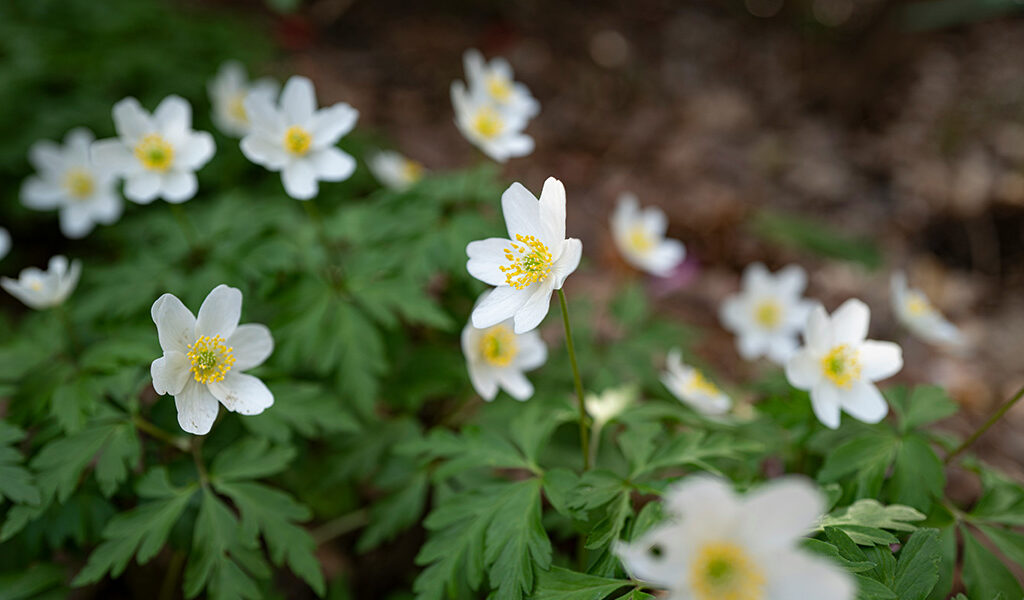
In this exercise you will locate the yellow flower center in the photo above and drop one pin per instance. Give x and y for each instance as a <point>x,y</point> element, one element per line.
<point>701,384</point>
<point>918,305</point>
<point>487,123</point>
<point>412,171</point>
<point>639,240</point>
<point>723,571</point>
<point>79,183</point>
<point>236,108</point>
<point>529,261</point>
<point>841,366</point>
<point>36,284</point>
<point>211,359</point>
<point>768,313</point>
<point>297,140</point>
<point>499,88</point>
<point>154,152</point>
<point>498,346</point>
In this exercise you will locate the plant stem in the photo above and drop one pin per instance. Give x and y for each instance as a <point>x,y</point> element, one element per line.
<point>197,456</point>
<point>160,434</point>
<point>341,525</point>
<point>991,421</point>
<point>65,319</point>
<point>172,575</point>
<point>584,439</point>
<point>187,229</point>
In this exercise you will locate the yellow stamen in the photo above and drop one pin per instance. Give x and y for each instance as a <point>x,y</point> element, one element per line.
<point>36,285</point>
<point>498,346</point>
<point>918,305</point>
<point>499,88</point>
<point>412,171</point>
<point>236,108</point>
<point>768,313</point>
<point>79,183</point>
<point>639,240</point>
<point>701,384</point>
<point>842,366</point>
<point>724,571</point>
<point>488,123</point>
<point>154,152</point>
<point>297,140</point>
<point>211,359</point>
<point>529,261</point>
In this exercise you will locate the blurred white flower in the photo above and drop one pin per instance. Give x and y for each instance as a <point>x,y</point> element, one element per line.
<point>839,366</point>
<point>66,179</point>
<point>204,358</point>
<point>718,545</point>
<point>228,91</point>
<point>769,312</point>
<point>45,289</point>
<point>297,139</point>
<point>531,264</point>
<point>640,237</point>
<point>919,315</point>
<point>498,134</point>
<point>609,404</point>
<point>692,387</point>
<point>156,154</point>
<point>5,242</point>
<point>496,357</point>
<point>395,171</point>
<point>496,81</point>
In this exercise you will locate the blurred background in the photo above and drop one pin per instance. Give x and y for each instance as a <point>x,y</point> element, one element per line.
<point>854,137</point>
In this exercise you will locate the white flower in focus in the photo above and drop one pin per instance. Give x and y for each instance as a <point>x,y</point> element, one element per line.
<point>157,154</point>
<point>496,357</point>
<point>67,179</point>
<point>297,139</point>
<point>205,356</point>
<point>718,545</point>
<point>228,91</point>
<point>919,315</point>
<point>692,387</point>
<point>609,404</point>
<point>495,80</point>
<point>769,313</point>
<point>395,171</point>
<point>640,237</point>
<point>498,134</point>
<point>531,264</point>
<point>839,366</point>
<point>45,289</point>
<point>5,242</point>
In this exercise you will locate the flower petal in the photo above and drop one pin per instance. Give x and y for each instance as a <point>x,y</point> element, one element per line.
<point>825,402</point>
<point>818,333</point>
<point>797,575</point>
<point>486,257</point>
<point>175,324</point>
<point>532,351</point>
<point>111,154</point>
<point>170,373</point>
<point>298,100</point>
<point>791,281</point>
<point>880,360</point>
<point>195,150</point>
<point>522,212</point>
<point>567,263</point>
<point>243,393</point>
<point>498,305</point>
<point>299,180</point>
<point>803,370</point>
<point>332,164</point>
<point>41,194</point>
<point>131,121</point>
<point>330,124</point>
<point>252,343</point>
<point>46,156</point>
<point>142,187</point>
<point>779,513</point>
<point>220,312</point>
<point>173,117</point>
<point>197,408</point>
<point>262,151</point>
<point>850,322</point>
<point>552,213</point>
<point>515,383</point>
<point>179,186</point>
<point>536,307</point>
<point>864,402</point>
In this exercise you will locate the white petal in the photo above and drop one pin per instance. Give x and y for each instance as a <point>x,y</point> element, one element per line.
<point>665,257</point>
<point>111,154</point>
<point>536,307</point>
<point>532,351</point>
<point>5,242</point>
<point>263,116</point>
<point>752,344</point>
<point>46,156</point>
<point>791,281</point>
<point>195,151</point>
<point>243,393</point>
<point>298,100</point>
<point>515,383</point>
<point>330,124</point>
<point>665,568</point>
<point>567,263</point>
<point>179,186</point>
<point>781,348</point>
<point>803,370</point>
<point>67,282</point>
<point>794,574</point>
<point>756,278</point>
<point>262,151</point>
<point>552,213</point>
<point>197,408</point>
<point>733,313</point>
<point>864,402</point>
<point>220,312</point>
<point>331,164</point>
<point>700,494</point>
<point>41,194</point>
<point>777,514</point>
<point>107,207</point>
<point>522,212</point>
<point>818,334</point>
<point>299,180</point>
<point>850,322</point>
<point>131,121</point>
<point>76,221</point>
<point>825,402</point>
<point>483,380</point>
<point>498,305</point>
<point>170,373</point>
<point>518,144</point>
<point>879,360</point>
<point>252,343</point>
<point>175,325</point>
<point>486,257</point>
<point>173,116</point>
<point>142,187</point>
<point>30,297</point>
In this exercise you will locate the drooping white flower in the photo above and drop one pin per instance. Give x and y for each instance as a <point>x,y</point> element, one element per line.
<point>395,171</point>
<point>919,315</point>
<point>640,237</point>
<point>527,267</point>
<point>205,356</point>
<point>66,179</point>
<point>297,139</point>
<point>496,81</point>
<point>496,133</point>
<point>496,357</point>
<point>609,404</point>
<point>769,312</point>
<point>157,154</point>
<point>692,387</point>
<point>5,242</point>
<point>718,545</point>
<point>45,289</point>
<point>839,366</point>
<point>228,91</point>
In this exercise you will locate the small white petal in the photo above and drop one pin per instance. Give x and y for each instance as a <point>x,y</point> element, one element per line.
<point>567,263</point>
<point>197,408</point>
<point>262,151</point>
<point>331,164</point>
<point>242,393</point>
<point>880,360</point>
<point>803,370</point>
<point>779,513</point>
<point>826,403</point>
<point>131,121</point>
<point>41,194</point>
<point>46,156</point>
<point>536,307</point>
<point>142,187</point>
<point>521,211</point>
<point>791,281</point>
<point>252,343</point>
<point>795,574</point>
<point>195,151</point>
<point>173,117</point>
<point>818,333</point>
<point>515,383</point>
<point>552,213</point>
<point>299,180</point>
<point>864,402</point>
<point>220,312</point>
<point>170,373</point>
<point>298,100</point>
<point>850,322</point>
<point>330,124</point>
<point>486,257</point>
<point>179,186</point>
<point>498,305</point>
<point>175,324</point>
<point>113,155</point>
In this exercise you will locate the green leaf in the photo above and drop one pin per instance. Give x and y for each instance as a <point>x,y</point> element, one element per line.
<point>516,542</point>
<point>923,405</point>
<point>251,458</point>
<point>1002,500</point>
<point>918,474</point>
<point>395,513</point>
<point>697,448</point>
<point>559,484</point>
<point>815,236</point>
<point>984,575</point>
<point>15,480</point>
<point>870,451</point>
<point>31,583</point>
<point>871,514</point>
<point>630,306</point>
<point>471,448</point>
<point>1010,543</point>
<point>307,409</point>
<point>218,545</point>
<point>73,402</point>
<point>563,584</point>
<point>917,569</point>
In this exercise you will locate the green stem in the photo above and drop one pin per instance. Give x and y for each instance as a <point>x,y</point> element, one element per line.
<point>187,229</point>
<point>155,432</point>
<point>341,525</point>
<point>172,575</point>
<point>991,421</point>
<point>197,457</point>
<point>69,328</point>
<point>584,438</point>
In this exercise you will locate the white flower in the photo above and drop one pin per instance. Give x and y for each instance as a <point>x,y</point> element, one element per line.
<point>45,289</point>
<point>527,267</point>
<point>496,81</point>
<point>204,358</point>
<point>228,91</point>
<point>5,242</point>
<point>691,386</point>
<point>496,357</point>
<point>297,139</point>
<point>609,404</point>
<point>918,315</point>
<point>498,134</point>
<point>640,237</point>
<point>395,171</point>
<point>720,545</point>
<point>769,313</point>
<point>67,179</point>
<point>157,154</point>
<point>839,366</point>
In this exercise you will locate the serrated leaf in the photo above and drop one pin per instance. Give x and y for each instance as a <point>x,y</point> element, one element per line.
<point>872,514</point>
<point>983,574</point>
<point>15,480</point>
<point>217,546</point>
<point>251,458</point>
<point>923,405</point>
<point>516,543</point>
<point>917,568</point>
<point>31,583</point>
<point>563,584</point>
<point>918,474</point>
<point>395,513</point>
<point>308,409</point>
<point>869,451</point>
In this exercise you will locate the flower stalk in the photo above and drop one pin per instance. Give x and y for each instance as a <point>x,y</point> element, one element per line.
<point>155,432</point>
<point>988,424</point>
<point>577,382</point>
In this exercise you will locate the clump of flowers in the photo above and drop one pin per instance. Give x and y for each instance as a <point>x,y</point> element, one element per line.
<point>228,92</point>
<point>496,358</point>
